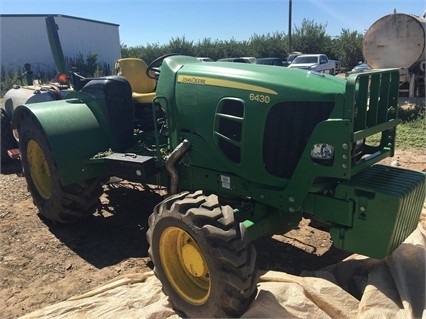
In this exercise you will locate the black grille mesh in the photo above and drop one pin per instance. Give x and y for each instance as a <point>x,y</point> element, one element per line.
<point>287,130</point>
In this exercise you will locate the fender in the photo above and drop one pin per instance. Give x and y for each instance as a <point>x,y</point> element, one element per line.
<point>74,133</point>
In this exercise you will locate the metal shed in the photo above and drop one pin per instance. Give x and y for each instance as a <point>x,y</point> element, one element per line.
<point>24,40</point>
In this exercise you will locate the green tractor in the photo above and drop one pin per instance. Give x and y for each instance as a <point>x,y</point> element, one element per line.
<point>244,150</point>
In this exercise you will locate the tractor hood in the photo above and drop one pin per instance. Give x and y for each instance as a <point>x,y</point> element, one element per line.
<point>253,78</point>
<point>228,112</point>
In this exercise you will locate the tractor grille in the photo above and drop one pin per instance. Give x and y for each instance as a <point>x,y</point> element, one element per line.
<point>288,128</point>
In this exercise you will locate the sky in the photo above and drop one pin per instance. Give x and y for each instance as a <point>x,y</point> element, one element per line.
<point>143,22</point>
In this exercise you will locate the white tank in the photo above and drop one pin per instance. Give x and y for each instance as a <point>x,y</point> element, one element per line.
<point>30,94</point>
<point>395,41</point>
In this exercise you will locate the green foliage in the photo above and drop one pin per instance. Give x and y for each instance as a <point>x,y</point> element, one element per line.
<point>89,66</point>
<point>181,46</point>
<point>86,66</point>
<point>206,47</point>
<point>310,37</point>
<point>16,75</point>
<point>275,45</point>
<point>8,79</point>
<point>412,134</point>
<point>348,48</point>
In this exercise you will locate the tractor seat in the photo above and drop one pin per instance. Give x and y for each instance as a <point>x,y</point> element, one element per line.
<point>134,70</point>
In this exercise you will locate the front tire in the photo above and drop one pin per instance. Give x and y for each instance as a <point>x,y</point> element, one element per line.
<point>200,255</point>
<point>56,202</point>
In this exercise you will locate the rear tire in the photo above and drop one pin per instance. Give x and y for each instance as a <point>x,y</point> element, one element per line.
<point>56,202</point>
<point>7,140</point>
<point>200,255</point>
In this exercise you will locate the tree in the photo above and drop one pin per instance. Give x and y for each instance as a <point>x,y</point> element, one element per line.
<point>349,47</point>
<point>311,37</point>
<point>274,45</point>
<point>181,46</point>
<point>89,66</point>
<point>208,48</point>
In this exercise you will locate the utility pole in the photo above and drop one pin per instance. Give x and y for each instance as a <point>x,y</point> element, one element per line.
<point>289,27</point>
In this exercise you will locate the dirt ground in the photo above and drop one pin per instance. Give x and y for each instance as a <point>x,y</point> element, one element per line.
<point>42,263</point>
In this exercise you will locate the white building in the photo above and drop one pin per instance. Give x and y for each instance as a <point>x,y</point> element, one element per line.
<point>24,40</point>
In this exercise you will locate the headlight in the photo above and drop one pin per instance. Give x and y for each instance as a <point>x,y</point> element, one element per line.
<point>322,153</point>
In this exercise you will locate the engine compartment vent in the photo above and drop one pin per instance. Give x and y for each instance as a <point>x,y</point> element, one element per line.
<point>228,128</point>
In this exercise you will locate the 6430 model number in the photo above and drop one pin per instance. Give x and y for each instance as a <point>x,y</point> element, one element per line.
<point>259,98</point>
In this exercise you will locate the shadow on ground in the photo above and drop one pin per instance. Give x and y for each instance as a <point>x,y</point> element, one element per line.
<point>11,167</point>
<point>279,256</point>
<point>117,231</point>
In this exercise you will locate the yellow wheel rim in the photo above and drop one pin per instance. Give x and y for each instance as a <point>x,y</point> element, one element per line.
<point>184,265</point>
<point>39,169</point>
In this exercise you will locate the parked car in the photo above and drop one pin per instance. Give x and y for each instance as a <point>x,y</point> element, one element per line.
<point>291,57</point>
<point>249,59</point>
<point>205,59</point>
<point>338,66</point>
<point>239,59</point>
<point>314,62</point>
<point>269,61</point>
<point>361,67</point>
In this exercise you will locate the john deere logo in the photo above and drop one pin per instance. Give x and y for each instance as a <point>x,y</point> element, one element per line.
<point>186,79</point>
<point>192,80</point>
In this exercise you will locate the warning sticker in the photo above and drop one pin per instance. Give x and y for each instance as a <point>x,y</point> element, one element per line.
<point>226,181</point>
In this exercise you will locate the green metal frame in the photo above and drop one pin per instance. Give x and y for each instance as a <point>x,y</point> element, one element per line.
<point>55,44</point>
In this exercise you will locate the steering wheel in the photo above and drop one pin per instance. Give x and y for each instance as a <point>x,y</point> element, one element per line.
<point>153,71</point>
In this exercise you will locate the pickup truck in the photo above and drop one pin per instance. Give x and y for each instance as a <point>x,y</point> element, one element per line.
<point>314,62</point>
<point>338,67</point>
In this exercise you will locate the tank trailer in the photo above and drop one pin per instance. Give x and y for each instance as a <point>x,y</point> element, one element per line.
<point>398,40</point>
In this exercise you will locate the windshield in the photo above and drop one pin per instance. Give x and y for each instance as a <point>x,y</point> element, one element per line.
<point>305,59</point>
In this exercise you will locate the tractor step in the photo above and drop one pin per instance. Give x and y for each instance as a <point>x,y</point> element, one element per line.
<point>14,153</point>
<point>130,166</point>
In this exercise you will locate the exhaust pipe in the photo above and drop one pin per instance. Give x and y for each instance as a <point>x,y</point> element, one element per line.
<point>173,158</point>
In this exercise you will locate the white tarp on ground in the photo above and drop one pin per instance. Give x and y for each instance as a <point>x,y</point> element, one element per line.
<point>391,288</point>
